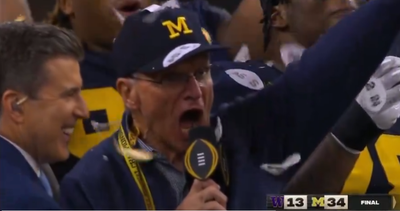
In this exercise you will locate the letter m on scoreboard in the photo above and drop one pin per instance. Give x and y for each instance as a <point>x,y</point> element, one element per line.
<point>275,202</point>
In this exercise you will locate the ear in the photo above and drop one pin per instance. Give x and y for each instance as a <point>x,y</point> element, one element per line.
<point>129,93</point>
<point>65,6</point>
<point>279,17</point>
<point>10,105</point>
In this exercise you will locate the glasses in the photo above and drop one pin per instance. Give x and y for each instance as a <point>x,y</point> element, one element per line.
<point>179,80</point>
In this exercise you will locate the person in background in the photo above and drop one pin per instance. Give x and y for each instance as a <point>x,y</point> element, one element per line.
<point>96,24</point>
<point>375,170</point>
<point>168,90</point>
<point>40,100</point>
<point>365,120</point>
<point>12,9</point>
<point>378,164</point>
<point>285,22</point>
<point>249,29</point>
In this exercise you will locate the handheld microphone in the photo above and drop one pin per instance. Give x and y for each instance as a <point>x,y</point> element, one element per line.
<point>201,158</point>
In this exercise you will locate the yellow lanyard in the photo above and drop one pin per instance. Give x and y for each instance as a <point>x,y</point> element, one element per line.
<point>134,167</point>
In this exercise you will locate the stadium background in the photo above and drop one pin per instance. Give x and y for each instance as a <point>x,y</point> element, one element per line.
<point>41,8</point>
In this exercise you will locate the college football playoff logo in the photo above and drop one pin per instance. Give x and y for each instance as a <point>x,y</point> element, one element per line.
<point>201,159</point>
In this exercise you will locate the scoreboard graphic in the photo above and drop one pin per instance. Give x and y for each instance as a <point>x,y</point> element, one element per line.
<point>331,202</point>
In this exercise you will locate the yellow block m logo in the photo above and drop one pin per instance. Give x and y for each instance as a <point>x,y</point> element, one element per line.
<point>175,29</point>
<point>317,201</point>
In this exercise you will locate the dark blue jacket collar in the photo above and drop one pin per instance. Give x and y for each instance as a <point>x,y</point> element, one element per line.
<point>11,155</point>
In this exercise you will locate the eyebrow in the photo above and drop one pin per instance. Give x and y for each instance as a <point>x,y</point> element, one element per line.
<point>69,91</point>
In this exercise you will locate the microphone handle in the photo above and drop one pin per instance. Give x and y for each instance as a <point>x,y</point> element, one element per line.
<point>219,176</point>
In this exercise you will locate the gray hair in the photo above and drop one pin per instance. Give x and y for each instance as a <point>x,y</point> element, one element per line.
<point>25,48</point>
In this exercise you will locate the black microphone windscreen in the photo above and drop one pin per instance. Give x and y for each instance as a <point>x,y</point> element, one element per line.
<point>201,132</point>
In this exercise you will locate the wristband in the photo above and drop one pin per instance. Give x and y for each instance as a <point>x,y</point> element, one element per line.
<point>351,151</point>
<point>355,129</point>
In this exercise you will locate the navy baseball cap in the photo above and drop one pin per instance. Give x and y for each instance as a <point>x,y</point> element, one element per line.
<point>152,41</point>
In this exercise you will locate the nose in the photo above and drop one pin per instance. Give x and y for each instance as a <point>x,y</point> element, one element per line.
<point>81,110</point>
<point>193,90</point>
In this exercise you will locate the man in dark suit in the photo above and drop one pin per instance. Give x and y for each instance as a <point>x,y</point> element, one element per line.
<point>40,103</point>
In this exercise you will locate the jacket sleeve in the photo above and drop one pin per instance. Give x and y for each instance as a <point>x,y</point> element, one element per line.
<point>72,195</point>
<point>297,111</point>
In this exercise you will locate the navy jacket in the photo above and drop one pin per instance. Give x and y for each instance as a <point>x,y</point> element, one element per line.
<point>238,79</point>
<point>298,110</point>
<point>20,188</point>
